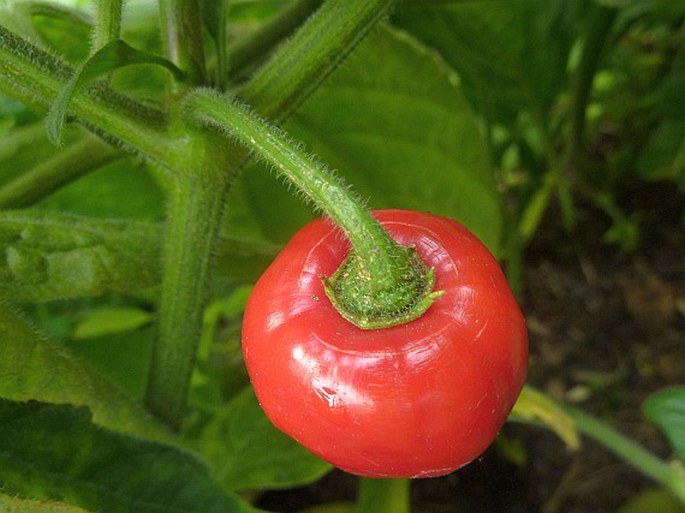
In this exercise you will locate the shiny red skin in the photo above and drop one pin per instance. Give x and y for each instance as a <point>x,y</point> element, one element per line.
<point>417,400</point>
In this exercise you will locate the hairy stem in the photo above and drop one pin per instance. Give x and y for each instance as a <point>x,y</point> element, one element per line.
<point>35,78</point>
<point>245,51</point>
<point>183,37</point>
<point>301,64</point>
<point>170,371</point>
<point>108,25</point>
<point>196,208</point>
<point>381,284</point>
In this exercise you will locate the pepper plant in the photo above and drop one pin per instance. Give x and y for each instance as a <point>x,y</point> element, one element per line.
<point>141,148</point>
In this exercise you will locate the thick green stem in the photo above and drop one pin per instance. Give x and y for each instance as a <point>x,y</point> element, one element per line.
<point>108,25</point>
<point>383,496</point>
<point>35,77</point>
<point>301,64</point>
<point>382,283</point>
<point>640,458</point>
<point>194,219</point>
<point>169,370</point>
<point>245,51</point>
<point>597,34</point>
<point>71,163</point>
<point>183,37</point>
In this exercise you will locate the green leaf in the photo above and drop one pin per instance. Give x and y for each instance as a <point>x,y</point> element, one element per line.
<point>247,452</point>
<point>52,256</point>
<point>667,409</point>
<point>105,321</point>
<point>122,357</point>
<point>35,367</point>
<point>636,8</point>
<point>66,30</point>
<point>123,189</point>
<point>48,256</point>
<point>15,505</point>
<point>402,135</point>
<point>51,452</point>
<point>511,54</point>
<point>112,56</point>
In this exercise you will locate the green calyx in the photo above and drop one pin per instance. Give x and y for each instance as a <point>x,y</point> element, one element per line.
<point>370,303</point>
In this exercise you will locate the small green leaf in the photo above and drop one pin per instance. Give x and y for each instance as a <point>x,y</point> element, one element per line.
<point>16,505</point>
<point>50,452</point>
<point>110,57</point>
<point>667,409</point>
<point>35,367</point>
<point>247,452</point>
<point>110,320</point>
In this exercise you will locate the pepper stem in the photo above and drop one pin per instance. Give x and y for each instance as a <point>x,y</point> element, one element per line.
<point>381,283</point>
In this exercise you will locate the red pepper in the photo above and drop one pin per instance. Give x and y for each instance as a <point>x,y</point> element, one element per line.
<point>420,399</point>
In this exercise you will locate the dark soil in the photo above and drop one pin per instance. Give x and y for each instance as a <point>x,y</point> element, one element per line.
<point>607,329</point>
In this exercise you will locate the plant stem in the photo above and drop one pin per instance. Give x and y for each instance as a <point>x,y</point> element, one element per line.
<point>245,51</point>
<point>598,32</point>
<point>301,64</point>
<point>195,215</point>
<point>183,37</point>
<point>383,495</point>
<point>71,163</point>
<point>382,284</point>
<point>108,25</point>
<point>35,78</point>
<point>630,451</point>
<point>169,376</point>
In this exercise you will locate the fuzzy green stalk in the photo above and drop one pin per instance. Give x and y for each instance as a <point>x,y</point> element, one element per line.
<point>182,38</point>
<point>381,283</point>
<point>107,27</point>
<point>297,68</point>
<point>246,51</point>
<point>196,208</point>
<point>35,77</point>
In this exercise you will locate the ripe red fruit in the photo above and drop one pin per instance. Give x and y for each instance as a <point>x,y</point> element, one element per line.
<point>417,400</point>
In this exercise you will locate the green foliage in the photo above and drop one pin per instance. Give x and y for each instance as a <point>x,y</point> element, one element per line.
<point>54,452</point>
<point>248,453</point>
<point>52,256</point>
<point>36,367</point>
